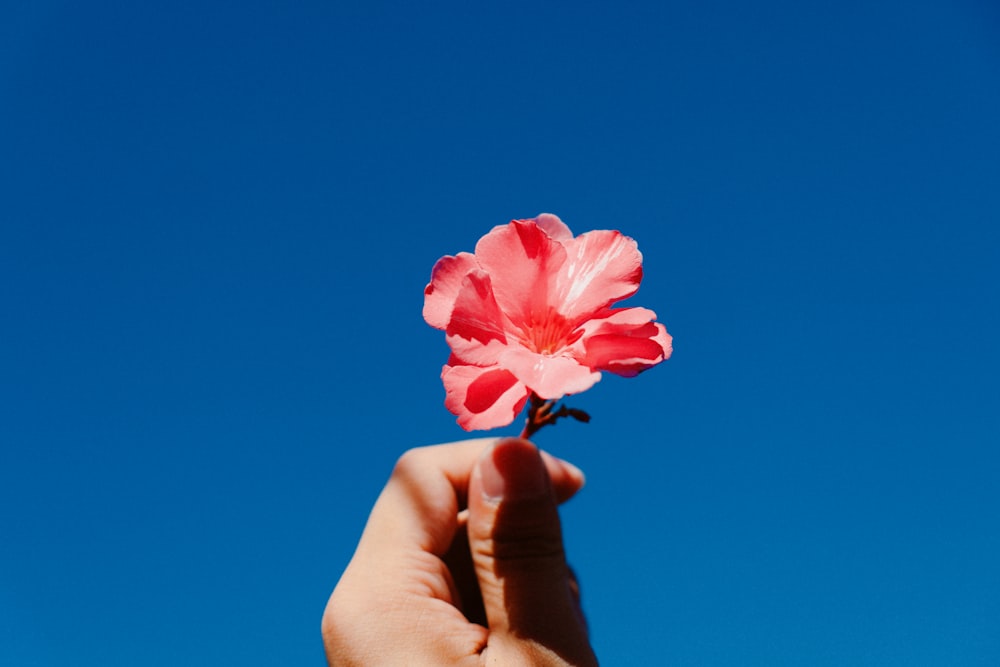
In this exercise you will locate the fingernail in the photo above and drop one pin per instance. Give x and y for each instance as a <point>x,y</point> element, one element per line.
<point>513,470</point>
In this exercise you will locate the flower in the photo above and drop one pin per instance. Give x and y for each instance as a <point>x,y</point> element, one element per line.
<point>530,315</point>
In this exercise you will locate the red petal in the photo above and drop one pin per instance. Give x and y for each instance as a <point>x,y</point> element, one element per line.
<point>476,315</point>
<point>549,376</point>
<point>446,281</point>
<point>476,329</point>
<point>521,258</point>
<point>611,320</point>
<point>482,398</point>
<point>553,226</point>
<point>602,267</point>
<point>628,351</point>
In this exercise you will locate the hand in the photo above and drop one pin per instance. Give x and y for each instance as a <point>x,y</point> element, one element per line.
<point>433,584</point>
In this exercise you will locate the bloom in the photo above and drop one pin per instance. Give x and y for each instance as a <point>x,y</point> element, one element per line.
<point>531,313</point>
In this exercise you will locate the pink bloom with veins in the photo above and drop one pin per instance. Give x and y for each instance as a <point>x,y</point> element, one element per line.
<point>529,315</point>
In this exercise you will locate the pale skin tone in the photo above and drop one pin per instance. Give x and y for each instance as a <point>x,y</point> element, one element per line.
<point>462,563</point>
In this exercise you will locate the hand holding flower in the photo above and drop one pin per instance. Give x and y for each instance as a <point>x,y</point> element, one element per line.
<point>462,563</point>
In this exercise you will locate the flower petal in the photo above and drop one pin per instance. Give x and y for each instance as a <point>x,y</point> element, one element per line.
<point>553,226</point>
<point>474,352</point>
<point>475,331</point>
<point>602,267</point>
<point>531,312</point>
<point>610,319</point>
<point>446,281</point>
<point>627,349</point>
<point>520,258</point>
<point>482,398</point>
<point>551,377</point>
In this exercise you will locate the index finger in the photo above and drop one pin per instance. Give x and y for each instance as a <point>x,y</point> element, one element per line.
<point>419,505</point>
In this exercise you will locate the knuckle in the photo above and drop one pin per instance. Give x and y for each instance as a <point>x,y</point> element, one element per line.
<point>410,463</point>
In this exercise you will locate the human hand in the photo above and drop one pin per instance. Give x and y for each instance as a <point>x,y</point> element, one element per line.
<point>434,584</point>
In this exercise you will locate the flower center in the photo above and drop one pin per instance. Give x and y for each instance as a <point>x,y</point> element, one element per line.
<point>550,334</point>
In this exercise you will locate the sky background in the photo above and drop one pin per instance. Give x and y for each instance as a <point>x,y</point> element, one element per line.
<point>217,220</point>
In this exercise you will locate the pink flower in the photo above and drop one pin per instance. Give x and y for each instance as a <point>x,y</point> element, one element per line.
<point>530,314</point>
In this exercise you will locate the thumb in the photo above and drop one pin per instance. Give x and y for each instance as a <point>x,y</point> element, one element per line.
<point>517,550</point>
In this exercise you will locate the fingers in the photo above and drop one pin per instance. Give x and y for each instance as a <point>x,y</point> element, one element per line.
<point>429,486</point>
<point>419,506</point>
<point>387,607</point>
<point>565,477</point>
<point>517,550</point>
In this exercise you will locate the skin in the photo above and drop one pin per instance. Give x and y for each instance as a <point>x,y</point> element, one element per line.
<point>462,563</point>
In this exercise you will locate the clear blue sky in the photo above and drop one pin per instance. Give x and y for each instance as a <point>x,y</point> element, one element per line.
<point>217,219</point>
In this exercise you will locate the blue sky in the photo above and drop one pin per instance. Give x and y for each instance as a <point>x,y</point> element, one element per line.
<point>217,220</point>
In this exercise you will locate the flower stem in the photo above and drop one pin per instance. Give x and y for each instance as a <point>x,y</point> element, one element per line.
<point>541,413</point>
